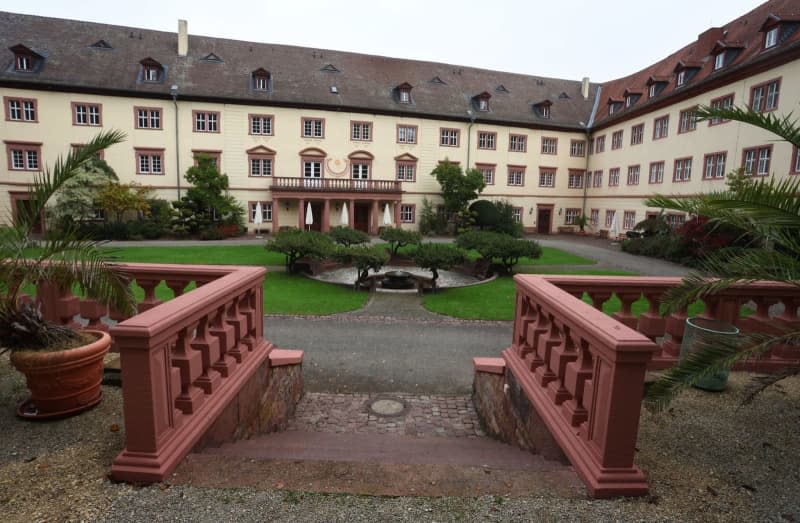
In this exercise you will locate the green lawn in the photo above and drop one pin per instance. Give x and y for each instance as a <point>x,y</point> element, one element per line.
<point>496,300</point>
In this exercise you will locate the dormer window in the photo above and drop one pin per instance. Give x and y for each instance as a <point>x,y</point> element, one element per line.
<point>543,109</point>
<point>684,71</point>
<point>25,60</point>
<point>261,80</point>
<point>614,105</point>
<point>771,38</point>
<point>404,93</point>
<point>631,97</point>
<point>482,101</point>
<point>681,78</point>
<point>152,71</point>
<point>656,84</point>
<point>652,92</point>
<point>719,61</point>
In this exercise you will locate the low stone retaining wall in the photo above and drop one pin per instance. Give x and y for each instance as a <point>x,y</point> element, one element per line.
<point>264,404</point>
<point>506,413</point>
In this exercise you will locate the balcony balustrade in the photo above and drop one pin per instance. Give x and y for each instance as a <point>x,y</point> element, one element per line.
<point>335,185</point>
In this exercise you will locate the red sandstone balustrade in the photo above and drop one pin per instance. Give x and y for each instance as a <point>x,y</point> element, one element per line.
<point>584,373</point>
<point>668,330</point>
<point>335,184</point>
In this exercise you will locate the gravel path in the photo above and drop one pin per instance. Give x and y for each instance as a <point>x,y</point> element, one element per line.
<point>708,459</point>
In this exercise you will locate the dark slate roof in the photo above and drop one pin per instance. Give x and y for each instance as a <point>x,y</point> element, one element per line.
<point>300,76</point>
<point>743,31</point>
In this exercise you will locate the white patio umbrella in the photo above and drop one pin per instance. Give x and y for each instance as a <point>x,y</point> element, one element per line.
<point>258,219</point>
<point>387,218</point>
<point>345,219</point>
<point>614,231</point>
<point>309,216</point>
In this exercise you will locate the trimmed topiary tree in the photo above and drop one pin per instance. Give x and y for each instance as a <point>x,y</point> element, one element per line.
<point>438,256</point>
<point>397,237</point>
<point>364,258</point>
<point>486,215</point>
<point>348,237</point>
<point>296,244</point>
<point>499,248</point>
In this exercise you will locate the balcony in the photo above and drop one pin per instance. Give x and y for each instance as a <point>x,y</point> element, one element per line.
<point>337,185</point>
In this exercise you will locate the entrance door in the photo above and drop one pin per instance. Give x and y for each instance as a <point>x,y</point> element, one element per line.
<point>23,204</point>
<point>543,220</point>
<point>316,210</point>
<point>361,217</point>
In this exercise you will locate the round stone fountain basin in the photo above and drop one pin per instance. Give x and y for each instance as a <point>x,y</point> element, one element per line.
<point>447,279</point>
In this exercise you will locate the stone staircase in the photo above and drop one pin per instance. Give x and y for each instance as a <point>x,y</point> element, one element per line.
<point>381,444</point>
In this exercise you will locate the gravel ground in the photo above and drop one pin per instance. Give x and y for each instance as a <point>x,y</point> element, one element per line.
<point>708,459</point>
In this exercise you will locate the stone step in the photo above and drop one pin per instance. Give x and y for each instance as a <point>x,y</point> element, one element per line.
<point>378,464</point>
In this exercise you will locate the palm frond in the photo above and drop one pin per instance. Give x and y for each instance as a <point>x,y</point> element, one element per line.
<point>711,354</point>
<point>783,126</point>
<point>50,180</point>
<point>726,267</point>
<point>760,383</point>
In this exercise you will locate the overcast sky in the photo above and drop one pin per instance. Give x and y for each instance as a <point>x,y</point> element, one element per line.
<point>570,39</point>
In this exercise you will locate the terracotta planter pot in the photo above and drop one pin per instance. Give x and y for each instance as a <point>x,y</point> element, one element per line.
<point>62,383</point>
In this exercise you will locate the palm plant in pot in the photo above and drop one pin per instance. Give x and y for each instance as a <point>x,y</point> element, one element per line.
<point>63,366</point>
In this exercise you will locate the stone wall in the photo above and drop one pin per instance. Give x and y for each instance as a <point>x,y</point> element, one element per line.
<point>506,413</point>
<point>264,404</point>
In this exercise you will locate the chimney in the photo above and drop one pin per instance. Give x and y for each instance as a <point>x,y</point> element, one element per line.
<point>183,38</point>
<point>585,87</point>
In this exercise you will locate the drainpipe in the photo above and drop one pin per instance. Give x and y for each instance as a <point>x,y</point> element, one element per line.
<point>469,134</point>
<point>174,92</point>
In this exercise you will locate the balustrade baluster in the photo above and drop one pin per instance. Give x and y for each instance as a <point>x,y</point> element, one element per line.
<point>190,364</point>
<point>232,318</point>
<point>560,356</point>
<point>150,299</point>
<point>208,346</point>
<point>577,380</point>
<point>651,323</point>
<point>227,341</point>
<point>675,325</point>
<point>625,316</point>
<point>598,298</point>
<point>177,286</point>
<point>544,348</point>
<point>94,312</point>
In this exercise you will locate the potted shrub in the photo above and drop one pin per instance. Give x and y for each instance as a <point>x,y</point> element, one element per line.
<point>581,221</point>
<point>63,367</point>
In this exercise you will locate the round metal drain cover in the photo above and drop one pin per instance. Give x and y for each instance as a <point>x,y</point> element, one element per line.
<point>387,407</point>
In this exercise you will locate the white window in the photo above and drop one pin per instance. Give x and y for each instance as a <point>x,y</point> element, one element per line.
<point>516,177</point>
<point>652,92</point>
<point>151,74</point>
<point>405,96</point>
<point>544,111</point>
<point>24,63</point>
<point>312,173</point>
<point>715,166</point>
<point>361,131</point>
<point>448,137</point>
<point>488,175</point>
<point>549,145</point>
<point>407,213</point>
<point>148,118</point>
<point>483,104</point>
<point>613,177</point>
<point>261,124</point>
<point>719,61</point>
<point>517,142</point>
<point>637,134</point>
<point>629,220</point>
<point>86,114</point>
<point>206,122</point>
<point>687,121</point>
<point>598,178</point>
<point>486,140</point>
<point>266,211</point>
<point>757,160</point>
<point>22,110</point>
<point>681,78</point>
<point>633,175</point>
<point>313,128</point>
<point>407,134</point>
<point>260,166</point>
<point>570,215</point>
<point>405,171</point>
<point>616,140</point>
<point>577,148</point>
<point>726,102</point>
<point>683,170</point>
<point>575,180</point>
<point>547,178</point>
<point>661,127</point>
<point>360,171</point>
<point>516,214</point>
<point>594,216</point>
<point>771,38</point>
<point>656,172</point>
<point>150,163</point>
<point>610,217</point>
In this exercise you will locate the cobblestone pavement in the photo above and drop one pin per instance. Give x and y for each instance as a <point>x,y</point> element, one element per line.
<point>424,415</point>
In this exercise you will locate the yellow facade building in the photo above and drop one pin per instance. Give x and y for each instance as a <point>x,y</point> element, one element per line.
<point>295,126</point>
